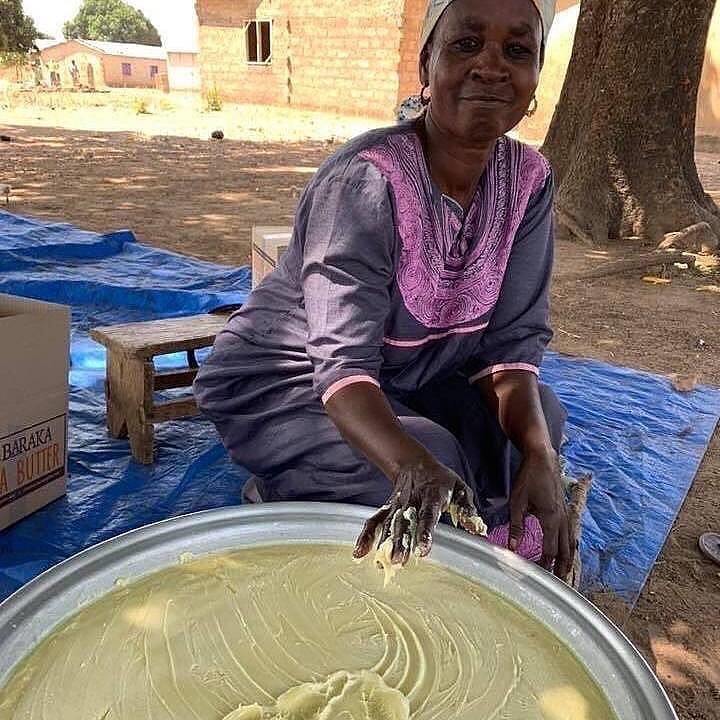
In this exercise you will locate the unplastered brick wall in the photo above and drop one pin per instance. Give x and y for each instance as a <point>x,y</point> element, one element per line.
<point>345,55</point>
<point>332,55</point>
<point>223,52</point>
<point>409,80</point>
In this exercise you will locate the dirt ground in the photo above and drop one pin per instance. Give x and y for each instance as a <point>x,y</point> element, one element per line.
<point>177,190</point>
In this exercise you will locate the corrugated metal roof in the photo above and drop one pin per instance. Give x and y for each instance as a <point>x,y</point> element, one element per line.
<point>149,52</point>
<point>46,43</point>
<point>182,50</point>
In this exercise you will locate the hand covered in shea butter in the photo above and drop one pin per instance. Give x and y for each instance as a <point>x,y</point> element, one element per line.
<point>406,523</point>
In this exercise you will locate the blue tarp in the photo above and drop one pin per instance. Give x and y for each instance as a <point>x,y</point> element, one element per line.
<point>641,440</point>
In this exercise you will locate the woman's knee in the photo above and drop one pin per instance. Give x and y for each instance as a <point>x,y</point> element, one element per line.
<point>440,443</point>
<point>212,389</point>
<point>555,414</point>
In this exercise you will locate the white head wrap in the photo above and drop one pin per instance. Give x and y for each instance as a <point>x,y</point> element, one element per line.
<point>436,8</point>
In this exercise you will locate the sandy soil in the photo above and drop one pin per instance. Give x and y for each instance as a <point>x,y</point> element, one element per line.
<point>152,113</point>
<point>176,189</point>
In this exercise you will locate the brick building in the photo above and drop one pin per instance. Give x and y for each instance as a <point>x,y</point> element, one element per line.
<point>102,64</point>
<point>354,57</point>
<point>362,57</point>
<point>183,70</point>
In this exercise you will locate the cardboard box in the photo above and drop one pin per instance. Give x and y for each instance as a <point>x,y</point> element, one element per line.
<point>34,364</point>
<point>268,244</point>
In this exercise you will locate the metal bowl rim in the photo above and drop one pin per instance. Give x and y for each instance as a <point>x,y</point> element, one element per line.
<point>20,604</point>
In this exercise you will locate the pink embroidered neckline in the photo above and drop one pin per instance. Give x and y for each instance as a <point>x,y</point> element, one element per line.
<point>450,273</point>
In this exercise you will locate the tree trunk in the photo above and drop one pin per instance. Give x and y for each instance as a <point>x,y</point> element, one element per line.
<point>622,140</point>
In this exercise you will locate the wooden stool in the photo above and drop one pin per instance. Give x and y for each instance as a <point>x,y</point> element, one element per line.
<point>132,378</point>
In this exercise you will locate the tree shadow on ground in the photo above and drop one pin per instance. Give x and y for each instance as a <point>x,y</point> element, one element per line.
<point>199,197</point>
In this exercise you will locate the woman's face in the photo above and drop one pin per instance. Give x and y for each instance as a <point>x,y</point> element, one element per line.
<point>482,66</point>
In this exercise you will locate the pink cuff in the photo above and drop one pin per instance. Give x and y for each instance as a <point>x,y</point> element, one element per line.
<point>526,367</point>
<point>344,382</point>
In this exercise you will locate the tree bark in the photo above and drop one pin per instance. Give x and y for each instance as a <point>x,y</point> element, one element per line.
<point>622,140</point>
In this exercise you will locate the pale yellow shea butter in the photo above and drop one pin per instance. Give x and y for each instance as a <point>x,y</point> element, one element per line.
<point>471,523</point>
<point>300,632</point>
<point>351,696</point>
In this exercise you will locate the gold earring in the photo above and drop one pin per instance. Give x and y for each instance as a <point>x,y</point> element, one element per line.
<point>533,107</point>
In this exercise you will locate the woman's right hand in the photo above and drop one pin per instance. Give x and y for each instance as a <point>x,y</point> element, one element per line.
<point>422,488</point>
<point>422,492</point>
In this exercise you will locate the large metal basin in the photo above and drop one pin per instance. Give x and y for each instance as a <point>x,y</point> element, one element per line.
<point>32,613</point>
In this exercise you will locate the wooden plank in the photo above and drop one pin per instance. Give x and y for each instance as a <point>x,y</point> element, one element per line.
<point>184,407</point>
<point>174,379</point>
<point>161,337</point>
<point>137,394</point>
<point>114,389</point>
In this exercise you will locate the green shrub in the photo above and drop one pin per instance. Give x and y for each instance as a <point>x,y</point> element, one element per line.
<point>141,107</point>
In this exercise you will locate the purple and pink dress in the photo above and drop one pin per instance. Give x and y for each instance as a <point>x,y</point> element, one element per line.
<point>389,281</point>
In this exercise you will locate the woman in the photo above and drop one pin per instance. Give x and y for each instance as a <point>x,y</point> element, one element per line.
<point>391,360</point>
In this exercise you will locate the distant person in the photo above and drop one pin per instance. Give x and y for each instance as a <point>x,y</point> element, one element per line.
<point>392,358</point>
<point>36,64</point>
<point>75,74</point>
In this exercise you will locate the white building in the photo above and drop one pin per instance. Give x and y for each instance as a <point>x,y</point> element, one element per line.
<point>183,69</point>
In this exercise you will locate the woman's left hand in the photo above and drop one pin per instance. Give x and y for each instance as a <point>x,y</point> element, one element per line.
<point>538,489</point>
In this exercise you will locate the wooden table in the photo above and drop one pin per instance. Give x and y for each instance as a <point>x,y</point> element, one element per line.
<point>132,379</point>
